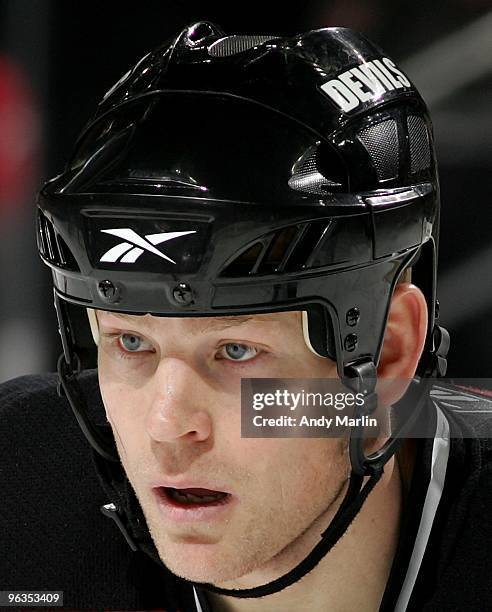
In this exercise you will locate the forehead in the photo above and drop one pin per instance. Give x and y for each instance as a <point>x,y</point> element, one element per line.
<point>202,324</point>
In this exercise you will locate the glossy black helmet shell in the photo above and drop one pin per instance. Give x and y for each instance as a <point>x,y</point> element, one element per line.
<point>225,175</point>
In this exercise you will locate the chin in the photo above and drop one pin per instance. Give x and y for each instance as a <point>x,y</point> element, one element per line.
<point>203,558</point>
<point>202,563</point>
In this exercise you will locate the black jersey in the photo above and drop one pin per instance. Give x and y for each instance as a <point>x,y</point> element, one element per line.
<point>53,535</point>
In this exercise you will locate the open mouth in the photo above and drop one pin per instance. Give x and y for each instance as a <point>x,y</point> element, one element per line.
<point>189,498</point>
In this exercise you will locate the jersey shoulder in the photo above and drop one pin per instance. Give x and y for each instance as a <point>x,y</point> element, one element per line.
<point>21,388</point>
<point>470,405</point>
<point>38,394</point>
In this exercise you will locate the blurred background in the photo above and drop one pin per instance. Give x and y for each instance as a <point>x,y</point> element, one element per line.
<point>58,58</point>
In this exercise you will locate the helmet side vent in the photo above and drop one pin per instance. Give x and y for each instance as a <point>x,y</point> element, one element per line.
<point>381,142</point>
<point>41,236</point>
<point>244,263</point>
<point>47,240</point>
<point>420,157</point>
<point>279,250</point>
<point>67,260</point>
<point>290,249</point>
<point>231,45</point>
<point>305,248</point>
<point>268,255</point>
<point>52,246</point>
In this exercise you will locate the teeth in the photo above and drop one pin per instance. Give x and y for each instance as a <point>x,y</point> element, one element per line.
<point>189,498</point>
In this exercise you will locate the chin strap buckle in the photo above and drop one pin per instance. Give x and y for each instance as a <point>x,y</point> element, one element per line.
<point>436,364</point>
<point>361,377</point>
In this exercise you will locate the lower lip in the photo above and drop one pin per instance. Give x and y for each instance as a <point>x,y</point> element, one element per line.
<point>195,513</point>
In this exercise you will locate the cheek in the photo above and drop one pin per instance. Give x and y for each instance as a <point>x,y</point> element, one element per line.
<point>118,388</point>
<point>293,473</point>
<point>124,406</point>
<point>317,471</point>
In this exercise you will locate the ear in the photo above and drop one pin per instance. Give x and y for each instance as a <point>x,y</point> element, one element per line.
<point>403,340</point>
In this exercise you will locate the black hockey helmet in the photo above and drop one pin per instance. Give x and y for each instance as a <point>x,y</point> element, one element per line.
<point>246,174</point>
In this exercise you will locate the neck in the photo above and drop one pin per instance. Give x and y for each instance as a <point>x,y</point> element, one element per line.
<point>353,575</point>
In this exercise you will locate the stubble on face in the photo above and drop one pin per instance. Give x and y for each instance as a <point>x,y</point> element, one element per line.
<point>284,507</point>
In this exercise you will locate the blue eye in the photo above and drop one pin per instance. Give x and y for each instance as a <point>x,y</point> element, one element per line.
<point>133,343</point>
<point>239,352</point>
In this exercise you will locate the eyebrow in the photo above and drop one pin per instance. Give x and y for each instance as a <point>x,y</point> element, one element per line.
<point>213,323</point>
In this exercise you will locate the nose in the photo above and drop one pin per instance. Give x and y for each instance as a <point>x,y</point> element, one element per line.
<point>178,409</point>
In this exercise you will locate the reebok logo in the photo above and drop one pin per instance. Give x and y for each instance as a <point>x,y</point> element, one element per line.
<point>364,83</point>
<point>134,245</point>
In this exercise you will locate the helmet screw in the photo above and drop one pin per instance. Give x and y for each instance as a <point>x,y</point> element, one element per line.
<point>353,316</point>
<point>350,342</point>
<point>182,294</point>
<point>108,291</point>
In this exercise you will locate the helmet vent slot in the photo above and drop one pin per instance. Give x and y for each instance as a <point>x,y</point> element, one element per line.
<point>306,245</point>
<point>279,250</point>
<point>290,249</point>
<point>419,144</point>
<point>231,45</point>
<point>49,246</point>
<point>381,142</point>
<point>41,237</point>
<point>52,246</point>
<point>243,265</point>
<point>67,260</point>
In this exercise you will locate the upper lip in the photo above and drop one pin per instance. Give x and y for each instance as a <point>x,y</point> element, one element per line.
<point>190,484</point>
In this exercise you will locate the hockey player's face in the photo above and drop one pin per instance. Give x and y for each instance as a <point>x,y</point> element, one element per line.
<point>224,509</point>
